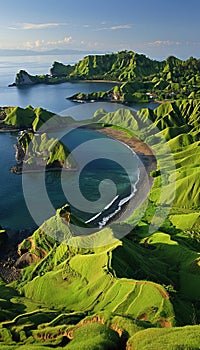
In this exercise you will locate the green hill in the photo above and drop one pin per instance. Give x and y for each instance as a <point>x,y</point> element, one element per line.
<point>177,123</point>
<point>28,117</point>
<point>94,291</point>
<point>32,118</point>
<point>130,66</point>
<point>142,79</point>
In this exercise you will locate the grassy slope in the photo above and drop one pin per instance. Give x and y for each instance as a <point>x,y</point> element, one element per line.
<point>147,280</point>
<point>33,118</point>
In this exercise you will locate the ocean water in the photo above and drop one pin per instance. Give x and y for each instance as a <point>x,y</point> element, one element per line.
<point>51,97</point>
<point>23,202</point>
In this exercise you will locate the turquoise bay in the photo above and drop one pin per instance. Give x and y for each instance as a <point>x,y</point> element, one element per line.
<point>13,209</point>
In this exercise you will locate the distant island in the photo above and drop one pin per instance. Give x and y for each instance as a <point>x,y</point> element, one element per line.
<point>140,79</point>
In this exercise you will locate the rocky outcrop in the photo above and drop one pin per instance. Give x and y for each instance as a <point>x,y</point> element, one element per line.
<point>20,154</point>
<point>23,78</point>
<point>44,154</point>
<point>26,259</point>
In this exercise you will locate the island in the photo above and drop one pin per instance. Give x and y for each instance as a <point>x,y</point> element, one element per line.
<point>138,78</point>
<point>35,150</point>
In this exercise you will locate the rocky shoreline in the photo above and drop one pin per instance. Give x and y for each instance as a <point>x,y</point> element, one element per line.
<point>9,267</point>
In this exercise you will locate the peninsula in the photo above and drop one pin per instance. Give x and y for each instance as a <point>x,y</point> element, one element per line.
<point>140,79</point>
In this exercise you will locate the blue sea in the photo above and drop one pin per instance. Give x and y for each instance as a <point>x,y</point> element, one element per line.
<point>101,163</point>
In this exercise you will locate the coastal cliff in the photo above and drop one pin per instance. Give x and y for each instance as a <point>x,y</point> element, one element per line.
<point>23,78</point>
<point>167,79</point>
<point>39,152</point>
<point>140,79</point>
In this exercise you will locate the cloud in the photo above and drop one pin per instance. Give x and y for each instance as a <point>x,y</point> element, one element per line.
<point>34,44</point>
<point>39,25</point>
<point>125,26</point>
<point>66,40</point>
<point>42,44</point>
<point>163,43</point>
<point>27,26</point>
<point>118,27</point>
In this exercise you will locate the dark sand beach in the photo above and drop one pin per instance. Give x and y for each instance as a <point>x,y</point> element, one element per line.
<point>147,163</point>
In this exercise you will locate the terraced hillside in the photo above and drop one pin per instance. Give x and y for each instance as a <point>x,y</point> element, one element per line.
<point>139,292</point>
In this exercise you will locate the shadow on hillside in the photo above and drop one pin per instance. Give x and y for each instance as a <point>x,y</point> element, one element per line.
<point>164,264</point>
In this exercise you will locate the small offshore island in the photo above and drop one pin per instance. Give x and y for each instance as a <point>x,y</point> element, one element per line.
<point>134,284</point>
<point>35,151</point>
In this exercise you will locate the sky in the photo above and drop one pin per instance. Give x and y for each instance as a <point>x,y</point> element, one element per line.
<point>156,28</point>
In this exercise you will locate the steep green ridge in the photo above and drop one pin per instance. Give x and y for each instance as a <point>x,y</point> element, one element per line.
<point>122,66</point>
<point>28,117</point>
<point>178,123</point>
<point>143,79</point>
<point>31,118</point>
<point>131,66</point>
<point>60,70</point>
<point>140,292</point>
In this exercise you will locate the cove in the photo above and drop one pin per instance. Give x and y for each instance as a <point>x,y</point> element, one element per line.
<point>14,213</point>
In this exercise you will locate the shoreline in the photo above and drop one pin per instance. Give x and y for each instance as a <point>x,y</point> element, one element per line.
<point>147,163</point>
<point>43,169</point>
<point>97,81</point>
<point>65,81</point>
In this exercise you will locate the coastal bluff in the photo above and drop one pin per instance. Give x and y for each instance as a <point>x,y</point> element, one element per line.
<point>138,78</point>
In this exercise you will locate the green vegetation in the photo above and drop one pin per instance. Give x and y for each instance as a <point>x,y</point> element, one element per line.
<point>31,118</point>
<point>38,151</point>
<point>142,79</point>
<point>28,117</point>
<point>60,70</point>
<point>98,292</point>
<point>169,339</point>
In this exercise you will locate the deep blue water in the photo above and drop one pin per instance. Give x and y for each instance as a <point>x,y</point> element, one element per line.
<point>13,206</point>
<point>51,97</point>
